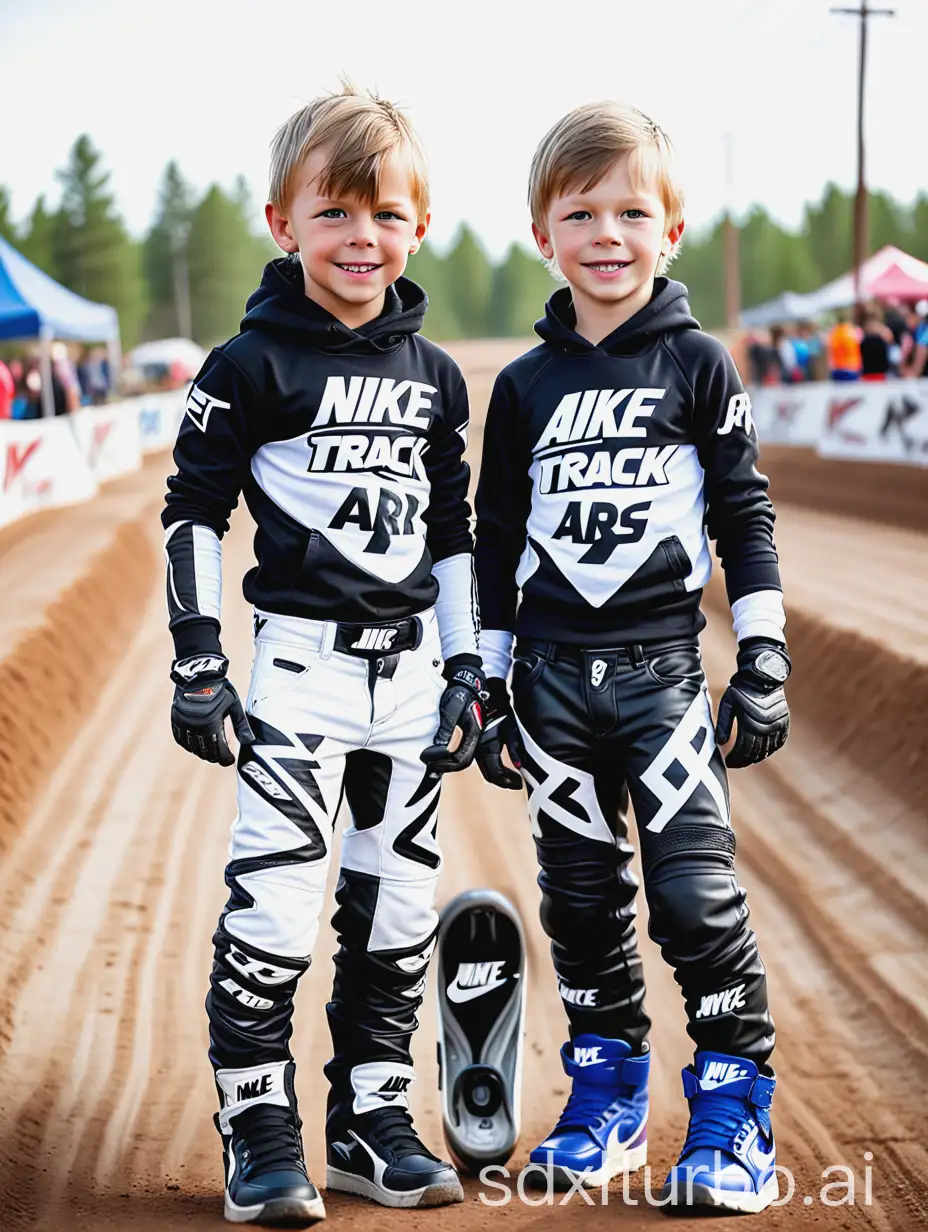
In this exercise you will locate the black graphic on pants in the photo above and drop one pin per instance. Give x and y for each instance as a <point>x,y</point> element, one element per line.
<point>289,788</point>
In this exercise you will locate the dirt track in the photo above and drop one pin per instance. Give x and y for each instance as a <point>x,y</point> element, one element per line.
<point>111,879</point>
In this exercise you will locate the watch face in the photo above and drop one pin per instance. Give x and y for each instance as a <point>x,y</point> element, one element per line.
<point>771,663</point>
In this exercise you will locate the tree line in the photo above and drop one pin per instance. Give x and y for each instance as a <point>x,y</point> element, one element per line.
<point>191,274</point>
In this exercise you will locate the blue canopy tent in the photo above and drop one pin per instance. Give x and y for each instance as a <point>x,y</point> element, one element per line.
<point>32,305</point>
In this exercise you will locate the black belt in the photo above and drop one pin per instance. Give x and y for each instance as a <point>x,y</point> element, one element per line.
<point>378,641</point>
<point>635,653</point>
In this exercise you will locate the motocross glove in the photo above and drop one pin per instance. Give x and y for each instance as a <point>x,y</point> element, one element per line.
<point>756,700</point>
<point>461,705</point>
<point>500,731</point>
<point>202,700</point>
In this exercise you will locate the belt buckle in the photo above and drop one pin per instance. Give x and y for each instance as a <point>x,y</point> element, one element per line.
<point>375,639</point>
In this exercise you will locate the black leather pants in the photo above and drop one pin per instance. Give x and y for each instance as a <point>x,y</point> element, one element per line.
<point>600,726</point>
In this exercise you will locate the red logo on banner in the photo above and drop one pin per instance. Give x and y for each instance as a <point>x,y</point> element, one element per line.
<point>837,410</point>
<point>16,458</point>
<point>100,432</point>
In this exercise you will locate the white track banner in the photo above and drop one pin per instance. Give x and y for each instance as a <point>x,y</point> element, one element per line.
<point>109,439</point>
<point>160,417</point>
<point>42,467</point>
<point>872,421</point>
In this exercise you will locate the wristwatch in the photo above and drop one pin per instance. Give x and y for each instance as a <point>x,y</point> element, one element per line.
<point>774,665</point>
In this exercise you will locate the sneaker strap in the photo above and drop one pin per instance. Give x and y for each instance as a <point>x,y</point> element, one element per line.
<point>758,1090</point>
<point>617,1071</point>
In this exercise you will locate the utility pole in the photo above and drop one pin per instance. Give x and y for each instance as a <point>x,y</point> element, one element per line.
<point>732,242</point>
<point>861,222</point>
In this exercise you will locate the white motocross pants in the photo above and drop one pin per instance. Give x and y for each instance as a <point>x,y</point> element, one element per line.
<point>329,723</point>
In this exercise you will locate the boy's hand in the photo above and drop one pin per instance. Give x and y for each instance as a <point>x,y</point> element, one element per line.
<point>500,731</point>
<point>755,698</point>
<point>202,700</point>
<point>460,706</point>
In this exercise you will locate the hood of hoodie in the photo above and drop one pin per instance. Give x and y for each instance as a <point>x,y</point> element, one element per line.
<point>667,310</point>
<point>281,303</point>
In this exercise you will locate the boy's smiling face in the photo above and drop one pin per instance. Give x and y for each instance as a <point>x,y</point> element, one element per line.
<point>351,250</point>
<point>607,242</point>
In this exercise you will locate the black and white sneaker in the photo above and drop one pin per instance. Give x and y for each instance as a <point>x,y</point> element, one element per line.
<point>481,1017</point>
<point>379,1155</point>
<point>262,1150</point>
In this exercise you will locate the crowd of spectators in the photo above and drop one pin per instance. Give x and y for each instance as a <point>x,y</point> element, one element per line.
<point>891,341</point>
<point>80,378</point>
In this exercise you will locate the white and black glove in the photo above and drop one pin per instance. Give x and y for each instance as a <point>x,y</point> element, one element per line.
<point>755,698</point>
<point>500,731</point>
<point>202,700</point>
<point>461,706</point>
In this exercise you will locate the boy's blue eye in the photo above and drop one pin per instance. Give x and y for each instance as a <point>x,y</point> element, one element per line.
<point>579,216</point>
<point>636,213</point>
<point>334,212</point>
<point>388,214</point>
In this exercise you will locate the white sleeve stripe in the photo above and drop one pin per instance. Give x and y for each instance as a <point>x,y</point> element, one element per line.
<point>207,571</point>
<point>759,614</point>
<point>455,605</point>
<point>175,526</point>
<point>173,587</point>
<point>496,651</point>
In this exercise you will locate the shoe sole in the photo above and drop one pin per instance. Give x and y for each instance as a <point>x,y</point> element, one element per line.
<point>566,1178</point>
<point>496,1048</point>
<point>278,1213</point>
<point>442,1194</point>
<point>722,1199</point>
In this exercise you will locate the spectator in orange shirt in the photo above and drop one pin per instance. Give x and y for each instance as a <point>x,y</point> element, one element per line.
<point>844,351</point>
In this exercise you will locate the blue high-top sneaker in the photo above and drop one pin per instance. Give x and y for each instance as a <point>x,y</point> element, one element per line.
<point>729,1156</point>
<point>603,1128</point>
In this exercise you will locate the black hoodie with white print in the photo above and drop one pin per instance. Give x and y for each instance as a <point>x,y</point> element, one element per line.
<point>606,469</point>
<point>347,445</point>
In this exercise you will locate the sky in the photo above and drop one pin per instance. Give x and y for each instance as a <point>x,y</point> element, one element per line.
<point>208,82</point>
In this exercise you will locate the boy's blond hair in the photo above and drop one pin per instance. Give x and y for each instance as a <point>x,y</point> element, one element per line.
<point>360,132</point>
<point>581,148</point>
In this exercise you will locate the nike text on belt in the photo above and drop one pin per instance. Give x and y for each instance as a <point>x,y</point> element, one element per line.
<point>373,641</point>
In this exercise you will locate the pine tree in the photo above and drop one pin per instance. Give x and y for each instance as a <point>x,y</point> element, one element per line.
<point>7,230</point>
<point>919,243</point>
<point>828,229</point>
<point>701,267</point>
<point>37,242</point>
<point>469,279</point>
<point>93,253</point>
<point>226,260</point>
<point>521,287</point>
<point>890,223</point>
<point>428,270</point>
<point>165,258</point>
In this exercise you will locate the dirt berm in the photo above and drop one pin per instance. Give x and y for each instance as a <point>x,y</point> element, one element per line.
<point>74,583</point>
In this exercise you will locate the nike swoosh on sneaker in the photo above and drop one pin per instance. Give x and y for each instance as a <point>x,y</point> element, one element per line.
<point>459,995</point>
<point>712,1084</point>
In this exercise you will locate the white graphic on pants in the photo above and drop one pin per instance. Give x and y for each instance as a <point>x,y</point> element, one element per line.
<point>690,747</point>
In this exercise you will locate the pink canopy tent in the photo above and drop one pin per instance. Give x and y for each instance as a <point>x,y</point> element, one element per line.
<point>888,268</point>
<point>902,282</point>
<point>888,274</point>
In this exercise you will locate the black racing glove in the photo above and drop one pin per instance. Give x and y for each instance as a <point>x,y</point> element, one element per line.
<point>500,731</point>
<point>202,699</point>
<point>461,706</point>
<point>756,699</point>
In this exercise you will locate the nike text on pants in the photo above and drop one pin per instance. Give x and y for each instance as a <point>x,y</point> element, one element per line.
<point>328,722</point>
<point>599,725</point>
